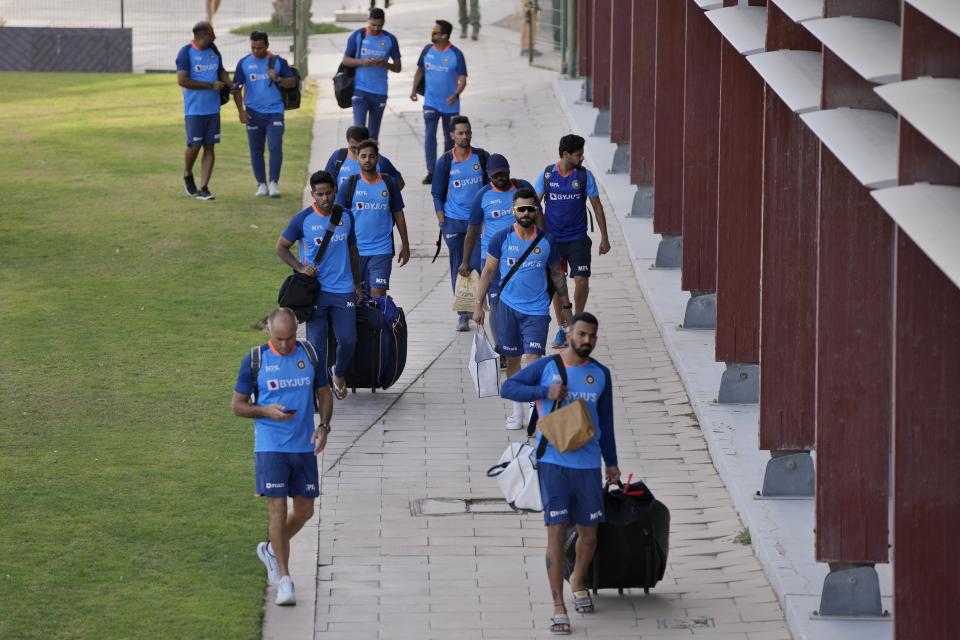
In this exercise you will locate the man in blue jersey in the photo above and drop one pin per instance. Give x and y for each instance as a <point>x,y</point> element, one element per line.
<point>519,258</point>
<point>565,187</point>
<point>491,212</point>
<point>373,52</point>
<point>201,75</point>
<point>443,71</point>
<point>343,162</point>
<point>279,386</point>
<point>570,482</point>
<point>338,273</point>
<point>377,205</point>
<point>460,174</point>
<point>261,75</point>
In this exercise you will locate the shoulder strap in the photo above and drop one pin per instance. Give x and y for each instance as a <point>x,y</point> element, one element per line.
<point>582,175</point>
<point>351,187</point>
<point>483,156</point>
<point>547,174</point>
<point>561,368</point>
<point>445,186</point>
<point>341,157</point>
<point>255,369</point>
<point>335,219</point>
<point>520,260</point>
<point>315,361</point>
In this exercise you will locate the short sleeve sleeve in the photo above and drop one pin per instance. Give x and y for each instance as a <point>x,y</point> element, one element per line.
<point>394,48</point>
<point>476,209</point>
<point>183,59</point>
<point>284,69</point>
<point>331,163</point>
<point>461,64</point>
<point>294,230</point>
<point>495,246</point>
<point>387,167</point>
<point>538,184</point>
<point>553,257</point>
<point>396,199</point>
<point>244,385</point>
<point>239,75</point>
<point>352,236</point>
<point>422,55</point>
<point>351,51</point>
<point>341,198</point>
<point>592,191</point>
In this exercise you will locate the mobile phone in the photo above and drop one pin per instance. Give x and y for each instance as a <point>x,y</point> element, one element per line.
<point>290,411</point>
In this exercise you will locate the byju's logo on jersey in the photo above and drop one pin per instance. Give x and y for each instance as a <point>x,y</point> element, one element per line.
<point>273,385</point>
<point>510,262</point>
<point>358,205</point>
<point>456,184</point>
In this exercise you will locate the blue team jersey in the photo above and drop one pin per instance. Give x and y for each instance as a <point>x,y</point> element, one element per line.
<point>383,47</point>
<point>527,290</point>
<point>373,209</point>
<point>204,66</point>
<point>466,179</point>
<point>288,380</point>
<point>440,69</point>
<point>261,94</point>
<point>492,211</point>
<point>307,228</point>
<point>351,167</point>
<point>565,210</point>
<point>589,381</point>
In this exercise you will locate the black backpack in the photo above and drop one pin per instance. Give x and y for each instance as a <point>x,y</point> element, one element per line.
<point>338,163</point>
<point>256,360</point>
<point>291,96</point>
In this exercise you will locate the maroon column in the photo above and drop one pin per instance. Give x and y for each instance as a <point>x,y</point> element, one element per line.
<point>584,27</point>
<point>643,56</point>
<point>740,161</point>
<point>854,369</point>
<point>701,131</point>
<point>620,60</point>
<point>600,57</point>
<point>927,379</point>
<point>788,280</point>
<point>668,119</point>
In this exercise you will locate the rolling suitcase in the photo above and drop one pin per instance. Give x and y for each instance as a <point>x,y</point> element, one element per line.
<point>381,349</point>
<point>633,543</point>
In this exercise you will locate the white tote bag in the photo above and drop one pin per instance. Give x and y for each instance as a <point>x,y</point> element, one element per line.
<point>517,477</point>
<point>484,367</point>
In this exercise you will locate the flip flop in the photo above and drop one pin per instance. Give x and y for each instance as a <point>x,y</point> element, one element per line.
<point>560,624</point>
<point>582,601</point>
<point>339,392</point>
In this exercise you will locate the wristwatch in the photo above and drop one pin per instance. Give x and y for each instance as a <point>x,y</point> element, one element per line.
<point>324,426</point>
<point>566,306</point>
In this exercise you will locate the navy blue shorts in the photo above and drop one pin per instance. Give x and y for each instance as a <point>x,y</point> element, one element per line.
<point>281,474</point>
<point>576,254</point>
<point>375,272</point>
<point>520,333</point>
<point>202,129</point>
<point>571,495</point>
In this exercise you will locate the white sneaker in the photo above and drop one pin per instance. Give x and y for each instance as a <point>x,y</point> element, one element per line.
<point>285,594</point>
<point>270,562</point>
<point>514,423</point>
<point>274,190</point>
<point>261,189</point>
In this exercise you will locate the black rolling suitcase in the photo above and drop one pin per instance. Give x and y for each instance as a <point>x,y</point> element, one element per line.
<point>633,543</point>
<point>381,351</point>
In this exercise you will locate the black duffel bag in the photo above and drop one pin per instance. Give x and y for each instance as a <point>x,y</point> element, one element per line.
<point>299,291</point>
<point>632,544</point>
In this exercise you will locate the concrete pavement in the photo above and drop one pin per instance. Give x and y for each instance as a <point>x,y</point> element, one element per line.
<point>371,564</point>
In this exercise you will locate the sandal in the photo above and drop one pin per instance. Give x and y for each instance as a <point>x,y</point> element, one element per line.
<point>339,391</point>
<point>560,624</point>
<point>582,601</point>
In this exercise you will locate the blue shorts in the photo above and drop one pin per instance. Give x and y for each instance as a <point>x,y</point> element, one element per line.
<point>570,495</point>
<point>576,254</point>
<point>281,474</point>
<point>202,129</point>
<point>520,333</point>
<point>375,272</point>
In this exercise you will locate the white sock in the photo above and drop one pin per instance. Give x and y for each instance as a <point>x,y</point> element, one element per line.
<point>518,410</point>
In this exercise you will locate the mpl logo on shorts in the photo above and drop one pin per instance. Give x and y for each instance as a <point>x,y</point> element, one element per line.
<point>311,487</point>
<point>596,515</point>
<point>583,267</point>
<point>536,345</point>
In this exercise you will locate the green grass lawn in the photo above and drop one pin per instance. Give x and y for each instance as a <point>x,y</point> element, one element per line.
<point>273,29</point>
<point>127,506</point>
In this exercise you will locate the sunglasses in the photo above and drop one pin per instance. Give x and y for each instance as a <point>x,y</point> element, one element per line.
<point>525,208</point>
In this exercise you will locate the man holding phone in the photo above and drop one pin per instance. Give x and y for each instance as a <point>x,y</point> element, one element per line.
<point>279,386</point>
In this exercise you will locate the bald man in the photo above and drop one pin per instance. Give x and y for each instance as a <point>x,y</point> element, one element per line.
<point>279,386</point>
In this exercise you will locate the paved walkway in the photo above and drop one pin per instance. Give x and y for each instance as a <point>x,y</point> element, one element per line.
<point>385,571</point>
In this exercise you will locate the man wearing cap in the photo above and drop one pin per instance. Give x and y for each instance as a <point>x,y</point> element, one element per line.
<point>490,213</point>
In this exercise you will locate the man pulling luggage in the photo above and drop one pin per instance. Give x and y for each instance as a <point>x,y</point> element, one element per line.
<point>570,482</point>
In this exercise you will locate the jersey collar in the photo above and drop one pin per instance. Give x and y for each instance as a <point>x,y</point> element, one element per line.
<point>317,211</point>
<point>507,190</point>
<point>562,174</point>
<point>377,181</point>
<point>275,351</point>
<point>517,228</point>
<point>456,159</point>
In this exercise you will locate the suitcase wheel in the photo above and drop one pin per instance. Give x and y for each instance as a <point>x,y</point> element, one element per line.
<point>620,590</point>
<point>353,390</point>
<point>373,390</point>
<point>646,590</point>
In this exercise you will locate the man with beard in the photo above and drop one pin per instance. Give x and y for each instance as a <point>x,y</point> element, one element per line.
<point>565,188</point>
<point>570,482</point>
<point>377,205</point>
<point>372,52</point>
<point>490,213</point>
<point>343,162</point>
<point>519,258</point>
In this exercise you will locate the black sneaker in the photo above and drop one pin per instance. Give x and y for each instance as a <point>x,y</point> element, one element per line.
<point>190,186</point>
<point>503,362</point>
<point>428,179</point>
<point>204,194</point>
